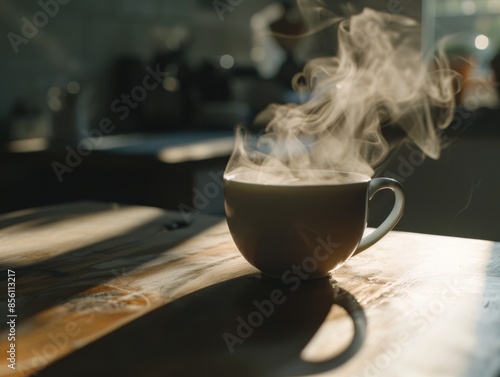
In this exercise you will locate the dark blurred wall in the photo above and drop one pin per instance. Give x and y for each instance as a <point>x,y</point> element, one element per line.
<point>82,37</point>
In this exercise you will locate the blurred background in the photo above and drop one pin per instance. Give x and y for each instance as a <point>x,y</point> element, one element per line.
<point>136,102</point>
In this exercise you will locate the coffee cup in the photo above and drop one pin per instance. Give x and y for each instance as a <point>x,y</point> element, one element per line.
<point>302,227</point>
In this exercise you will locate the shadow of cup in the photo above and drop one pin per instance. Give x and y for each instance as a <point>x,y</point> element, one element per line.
<point>248,326</point>
<point>275,322</point>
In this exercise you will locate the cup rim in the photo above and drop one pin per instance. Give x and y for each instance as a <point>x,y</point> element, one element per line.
<point>361,178</point>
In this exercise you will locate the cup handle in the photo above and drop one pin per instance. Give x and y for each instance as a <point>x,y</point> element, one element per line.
<point>376,185</point>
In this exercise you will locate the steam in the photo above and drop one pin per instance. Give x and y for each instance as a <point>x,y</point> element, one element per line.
<point>378,79</point>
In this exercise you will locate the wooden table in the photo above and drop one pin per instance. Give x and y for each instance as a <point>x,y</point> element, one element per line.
<point>109,290</point>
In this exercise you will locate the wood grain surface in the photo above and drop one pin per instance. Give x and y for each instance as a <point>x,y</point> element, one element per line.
<point>109,290</point>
